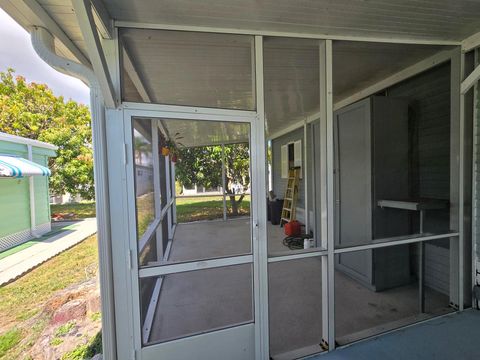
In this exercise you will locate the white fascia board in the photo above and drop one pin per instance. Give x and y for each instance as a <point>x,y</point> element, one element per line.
<point>84,12</point>
<point>304,35</point>
<point>102,19</point>
<point>471,42</point>
<point>29,13</point>
<point>21,140</point>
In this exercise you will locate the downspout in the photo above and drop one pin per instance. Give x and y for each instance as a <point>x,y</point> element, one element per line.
<point>43,43</point>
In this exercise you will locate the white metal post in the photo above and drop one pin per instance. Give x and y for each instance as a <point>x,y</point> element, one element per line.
<point>169,196</point>
<point>224,198</point>
<point>461,190</point>
<point>156,186</point>
<point>475,212</point>
<point>31,187</point>
<point>323,234</point>
<point>456,178</point>
<point>330,194</point>
<point>260,263</point>
<point>174,205</point>
<point>305,177</point>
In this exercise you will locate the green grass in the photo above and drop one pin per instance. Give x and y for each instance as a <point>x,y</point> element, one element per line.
<point>56,341</point>
<point>24,298</point>
<point>64,329</point>
<point>145,212</point>
<point>9,340</point>
<point>207,208</point>
<point>74,211</point>
<point>96,316</point>
<point>94,346</point>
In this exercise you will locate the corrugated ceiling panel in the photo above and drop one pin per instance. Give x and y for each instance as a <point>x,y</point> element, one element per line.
<point>419,19</point>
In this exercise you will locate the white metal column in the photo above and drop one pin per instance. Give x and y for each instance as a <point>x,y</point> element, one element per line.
<point>306,177</point>
<point>260,252</point>
<point>224,196</point>
<point>327,193</point>
<point>456,178</point>
<point>168,181</point>
<point>31,192</point>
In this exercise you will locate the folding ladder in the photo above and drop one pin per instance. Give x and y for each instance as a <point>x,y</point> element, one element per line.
<point>291,195</point>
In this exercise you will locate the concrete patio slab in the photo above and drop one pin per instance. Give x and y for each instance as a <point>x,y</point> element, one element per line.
<point>445,338</point>
<point>17,264</point>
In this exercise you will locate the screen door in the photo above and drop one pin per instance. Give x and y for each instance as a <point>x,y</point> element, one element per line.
<point>192,207</point>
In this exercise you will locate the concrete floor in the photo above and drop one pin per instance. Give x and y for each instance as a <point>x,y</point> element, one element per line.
<point>449,337</point>
<point>199,301</point>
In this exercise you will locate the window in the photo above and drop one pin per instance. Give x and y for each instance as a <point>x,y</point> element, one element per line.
<point>291,157</point>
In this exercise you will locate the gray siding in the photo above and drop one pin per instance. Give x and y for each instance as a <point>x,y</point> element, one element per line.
<point>429,106</point>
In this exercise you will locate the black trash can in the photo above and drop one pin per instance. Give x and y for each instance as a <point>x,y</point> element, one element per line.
<point>269,211</point>
<point>275,211</point>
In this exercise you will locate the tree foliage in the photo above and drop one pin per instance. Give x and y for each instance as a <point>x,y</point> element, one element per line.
<point>203,166</point>
<point>32,110</point>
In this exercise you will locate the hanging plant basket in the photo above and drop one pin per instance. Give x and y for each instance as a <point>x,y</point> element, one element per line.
<point>165,151</point>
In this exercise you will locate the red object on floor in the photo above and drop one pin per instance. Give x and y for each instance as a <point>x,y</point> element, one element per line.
<point>293,228</point>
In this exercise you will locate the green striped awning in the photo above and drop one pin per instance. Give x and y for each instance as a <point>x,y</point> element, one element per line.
<point>12,166</point>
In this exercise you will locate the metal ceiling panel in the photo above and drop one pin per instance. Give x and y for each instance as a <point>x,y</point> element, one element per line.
<point>407,19</point>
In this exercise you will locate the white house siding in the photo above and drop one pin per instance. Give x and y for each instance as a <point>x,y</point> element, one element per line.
<point>279,183</point>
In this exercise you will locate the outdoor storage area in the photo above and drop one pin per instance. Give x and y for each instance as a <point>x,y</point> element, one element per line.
<point>24,189</point>
<point>394,247</point>
<point>385,158</point>
<point>360,128</point>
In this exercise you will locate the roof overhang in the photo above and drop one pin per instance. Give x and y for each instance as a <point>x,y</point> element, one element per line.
<point>444,23</point>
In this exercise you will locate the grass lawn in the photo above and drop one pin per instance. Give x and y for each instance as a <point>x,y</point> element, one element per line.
<point>207,208</point>
<point>24,298</point>
<point>74,211</point>
<point>188,209</point>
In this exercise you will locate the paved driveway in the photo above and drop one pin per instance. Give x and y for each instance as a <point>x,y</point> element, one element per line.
<point>18,263</point>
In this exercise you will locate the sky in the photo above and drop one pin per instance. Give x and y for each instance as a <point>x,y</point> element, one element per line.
<point>16,51</point>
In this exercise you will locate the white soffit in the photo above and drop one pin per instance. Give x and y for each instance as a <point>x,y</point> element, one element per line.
<point>188,68</point>
<point>357,65</point>
<point>441,20</point>
<point>292,77</point>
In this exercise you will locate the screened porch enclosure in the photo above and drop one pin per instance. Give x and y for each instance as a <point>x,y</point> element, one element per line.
<point>377,145</point>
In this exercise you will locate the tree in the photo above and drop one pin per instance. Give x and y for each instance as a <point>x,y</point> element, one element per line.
<point>31,110</point>
<point>203,166</point>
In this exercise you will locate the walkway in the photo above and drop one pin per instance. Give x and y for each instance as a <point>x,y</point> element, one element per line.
<point>64,236</point>
<point>450,337</point>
